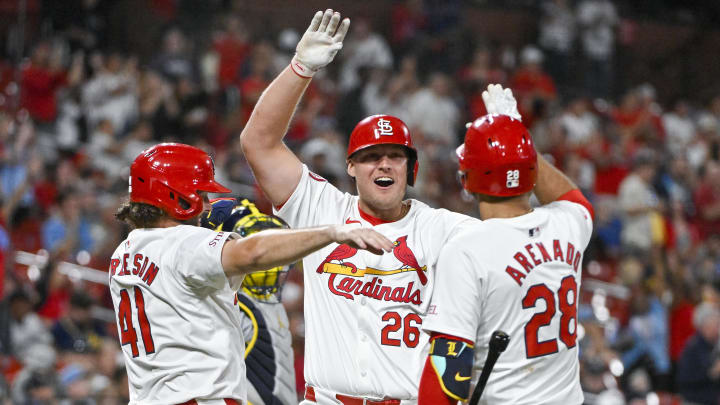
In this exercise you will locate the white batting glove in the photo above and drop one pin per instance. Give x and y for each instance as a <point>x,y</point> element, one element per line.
<point>500,101</point>
<point>320,43</point>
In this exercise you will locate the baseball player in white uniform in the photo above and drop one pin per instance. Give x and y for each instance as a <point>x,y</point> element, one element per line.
<point>269,357</point>
<point>173,284</point>
<point>517,271</point>
<point>362,313</point>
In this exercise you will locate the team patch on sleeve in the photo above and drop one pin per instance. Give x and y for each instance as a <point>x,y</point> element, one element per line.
<point>452,361</point>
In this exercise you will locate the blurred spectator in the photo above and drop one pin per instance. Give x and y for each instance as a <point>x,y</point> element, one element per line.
<point>39,388</point>
<point>37,381</point>
<point>111,93</point>
<point>75,385</point>
<point>638,122</point>
<point>159,106</point>
<point>78,332</point>
<point>233,47</point>
<point>532,87</point>
<point>325,154</point>
<point>390,94</point>
<point>647,332</point>
<point>257,79</point>
<point>84,22</point>
<point>597,20</point>
<point>362,48</point>
<point>286,42</point>
<point>103,149</point>
<point>580,124</point>
<point>67,231</point>
<point>707,200</point>
<point>698,374</point>
<point>476,76</point>
<point>639,203</point>
<point>42,77</point>
<point>434,113</point>
<point>173,61</point>
<point>557,34</point>
<point>140,138</point>
<point>26,328</point>
<point>409,21</point>
<point>679,127</point>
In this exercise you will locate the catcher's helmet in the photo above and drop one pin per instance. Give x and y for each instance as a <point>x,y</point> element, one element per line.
<point>245,219</point>
<point>498,157</point>
<point>170,175</point>
<point>382,130</point>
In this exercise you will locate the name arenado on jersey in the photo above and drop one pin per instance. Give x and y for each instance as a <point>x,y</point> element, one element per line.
<point>571,257</point>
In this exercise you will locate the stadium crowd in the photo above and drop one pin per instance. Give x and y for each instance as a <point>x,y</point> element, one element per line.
<point>81,111</point>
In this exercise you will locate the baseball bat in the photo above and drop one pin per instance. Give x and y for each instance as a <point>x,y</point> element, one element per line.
<point>498,343</point>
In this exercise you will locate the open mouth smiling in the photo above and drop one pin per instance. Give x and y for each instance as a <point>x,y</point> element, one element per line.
<point>384,181</point>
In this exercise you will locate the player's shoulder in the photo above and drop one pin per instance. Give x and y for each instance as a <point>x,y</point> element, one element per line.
<point>566,208</point>
<point>442,215</point>
<point>470,235</point>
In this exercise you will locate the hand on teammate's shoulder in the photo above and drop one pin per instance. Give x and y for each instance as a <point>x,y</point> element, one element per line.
<point>361,238</point>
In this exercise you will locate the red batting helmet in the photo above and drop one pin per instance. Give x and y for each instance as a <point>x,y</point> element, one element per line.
<point>382,130</point>
<point>170,175</point>
<point>498,157</point>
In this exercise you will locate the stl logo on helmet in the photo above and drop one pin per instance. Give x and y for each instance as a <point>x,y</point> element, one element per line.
<point>383,128</point>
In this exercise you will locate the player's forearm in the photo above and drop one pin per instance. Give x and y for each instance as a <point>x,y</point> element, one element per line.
<point>272,114</point>
<point>551,182</point>
<point>431,392</point>
<point>273,248</point>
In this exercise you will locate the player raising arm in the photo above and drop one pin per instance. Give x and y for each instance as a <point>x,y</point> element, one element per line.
<point>172,282</point>
<point>362,312</point>
<point>517,271</point>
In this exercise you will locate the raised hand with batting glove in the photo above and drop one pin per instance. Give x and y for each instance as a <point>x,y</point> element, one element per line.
<point>320,43</point>
<point>500,101</point>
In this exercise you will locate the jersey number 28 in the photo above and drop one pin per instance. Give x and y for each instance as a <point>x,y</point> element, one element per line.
<point>568,309</point>
<point>128,336</point>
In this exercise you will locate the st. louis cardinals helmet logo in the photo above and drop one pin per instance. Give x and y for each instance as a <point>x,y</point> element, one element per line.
<point>383,128</point>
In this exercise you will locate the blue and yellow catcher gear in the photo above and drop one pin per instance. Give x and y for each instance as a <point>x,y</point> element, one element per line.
<point>244,218</point>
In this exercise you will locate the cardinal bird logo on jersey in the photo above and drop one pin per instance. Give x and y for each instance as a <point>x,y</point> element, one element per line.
<point>340,253</point>
<point>403,253</point>
<point>347,280</point>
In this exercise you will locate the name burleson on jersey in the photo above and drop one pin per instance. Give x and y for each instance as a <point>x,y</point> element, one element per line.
<point>141,267</point>
<point>536,253</point>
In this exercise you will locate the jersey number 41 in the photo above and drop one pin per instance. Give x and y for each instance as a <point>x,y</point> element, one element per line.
<point>128,336</point>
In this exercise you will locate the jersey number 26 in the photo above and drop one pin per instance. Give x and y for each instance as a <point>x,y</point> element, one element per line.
<point>128,336</point>
<point>568,309</point>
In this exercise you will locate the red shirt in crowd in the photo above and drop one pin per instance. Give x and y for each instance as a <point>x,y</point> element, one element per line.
<point>39,87</point>
<point>233,53</point>
<point>705,198</point>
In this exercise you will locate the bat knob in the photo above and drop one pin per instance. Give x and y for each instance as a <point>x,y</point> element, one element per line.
<point>499,341</point>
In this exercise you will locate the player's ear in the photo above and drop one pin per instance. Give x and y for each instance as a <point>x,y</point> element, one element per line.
<point>350,168</point>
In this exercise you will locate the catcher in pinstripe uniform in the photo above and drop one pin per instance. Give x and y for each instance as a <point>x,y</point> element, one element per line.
<point>265,325</point>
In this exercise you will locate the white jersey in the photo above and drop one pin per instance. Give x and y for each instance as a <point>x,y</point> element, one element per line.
<point>522,276</point>
<point>178,326</point>
<point>269,356</point>
<point>363,311</point>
